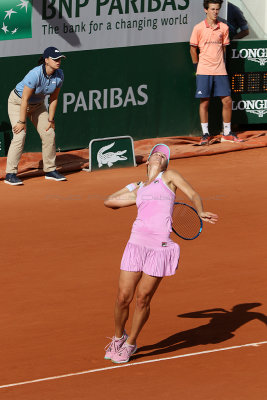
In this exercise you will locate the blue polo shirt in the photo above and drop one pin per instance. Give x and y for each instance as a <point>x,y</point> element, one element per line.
<point>42,83</point>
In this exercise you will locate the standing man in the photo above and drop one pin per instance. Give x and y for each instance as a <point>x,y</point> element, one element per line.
<point>210,37</point>
<point>238,25</point>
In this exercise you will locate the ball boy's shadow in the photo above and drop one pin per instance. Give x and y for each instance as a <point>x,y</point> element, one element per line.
<point>220,328</point>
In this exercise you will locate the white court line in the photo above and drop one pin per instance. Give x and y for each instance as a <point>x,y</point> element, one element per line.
<point>90,371</point>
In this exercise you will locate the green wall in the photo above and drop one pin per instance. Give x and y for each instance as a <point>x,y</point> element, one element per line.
<point>157,85</point>
<point>166,70</point>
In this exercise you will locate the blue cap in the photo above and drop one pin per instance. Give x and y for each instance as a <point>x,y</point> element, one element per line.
<point>52,52</point>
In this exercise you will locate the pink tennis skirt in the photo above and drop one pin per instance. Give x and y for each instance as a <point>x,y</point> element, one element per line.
<point>155,255</point>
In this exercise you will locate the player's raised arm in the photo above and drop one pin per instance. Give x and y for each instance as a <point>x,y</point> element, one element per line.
<point>176,181</point>
<point>122,198</point>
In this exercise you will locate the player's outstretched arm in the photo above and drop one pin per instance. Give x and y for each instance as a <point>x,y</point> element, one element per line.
<point>122,198</point>
<point>176,181</point>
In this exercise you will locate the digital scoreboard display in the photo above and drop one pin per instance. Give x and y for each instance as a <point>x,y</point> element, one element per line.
<point>249,82</point>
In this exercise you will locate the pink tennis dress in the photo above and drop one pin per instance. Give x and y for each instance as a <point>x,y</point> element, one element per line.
<point>150,248</point>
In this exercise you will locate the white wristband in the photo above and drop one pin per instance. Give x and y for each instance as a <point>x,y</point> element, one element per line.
<point>131,187</point>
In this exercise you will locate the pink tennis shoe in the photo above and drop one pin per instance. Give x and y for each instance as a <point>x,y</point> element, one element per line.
<point>114,346</point>
<point>124,353</point>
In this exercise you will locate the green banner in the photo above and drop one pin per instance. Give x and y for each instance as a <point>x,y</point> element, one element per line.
<point>128,70</point>
<point>113,152</point>
<point>247,62</point>
<point>143,91</point>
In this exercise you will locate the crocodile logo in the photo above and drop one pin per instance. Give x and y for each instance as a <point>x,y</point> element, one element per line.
<point>109,158</point>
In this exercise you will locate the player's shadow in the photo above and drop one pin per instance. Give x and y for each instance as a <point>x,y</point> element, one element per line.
<point>220,328</point>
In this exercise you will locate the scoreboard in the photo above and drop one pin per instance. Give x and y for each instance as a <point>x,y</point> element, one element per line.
<point>249,82</point>
<point>247,69</point>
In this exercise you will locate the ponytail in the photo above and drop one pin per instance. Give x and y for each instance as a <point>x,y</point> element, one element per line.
<point>41,61</point>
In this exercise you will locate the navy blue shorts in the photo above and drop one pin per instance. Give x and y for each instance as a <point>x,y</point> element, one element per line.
<point>212,86</point>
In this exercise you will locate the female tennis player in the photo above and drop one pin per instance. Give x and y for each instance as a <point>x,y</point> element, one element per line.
<point>150,254</point>
<point>27,100</point>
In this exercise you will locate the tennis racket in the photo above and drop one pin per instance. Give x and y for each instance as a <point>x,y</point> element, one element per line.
<point>186,222</point>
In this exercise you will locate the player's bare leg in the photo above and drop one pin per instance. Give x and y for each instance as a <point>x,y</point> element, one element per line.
<point>127,285</point>
<point>226,109</point>
<point>145,291</point>
<point>228,135</point>
<point>204,110</point>
<point>204,118</point>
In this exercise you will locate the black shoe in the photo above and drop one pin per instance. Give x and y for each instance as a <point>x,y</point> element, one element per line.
<point>12,179</point>
<point>55,176</point>
<point>205,140</point>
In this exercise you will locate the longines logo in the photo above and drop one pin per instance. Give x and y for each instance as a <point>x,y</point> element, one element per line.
<point>258,107</point>
<point>256,55</point>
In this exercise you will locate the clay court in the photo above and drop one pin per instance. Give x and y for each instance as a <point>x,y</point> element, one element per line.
<point>61,250</point>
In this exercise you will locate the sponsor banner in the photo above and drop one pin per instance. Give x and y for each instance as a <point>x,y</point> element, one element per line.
<point>257,107</point>
<point>247,61</point>
<point>250,109</point>
<point>126,91</point>
<point>257,55</point>
<point>75,25</point>
<point>248,55</point>
<point>101,99</point>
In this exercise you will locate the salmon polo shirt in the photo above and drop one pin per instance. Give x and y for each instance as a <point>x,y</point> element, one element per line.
<point>211,42</point>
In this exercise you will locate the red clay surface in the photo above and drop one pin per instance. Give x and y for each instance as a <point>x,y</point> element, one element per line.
<point>60,257</point>
<point>181,147</point>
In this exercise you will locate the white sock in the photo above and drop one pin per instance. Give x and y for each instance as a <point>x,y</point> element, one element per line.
<point>205,128</point>
<point>226,128</point>
<point>119,338</point>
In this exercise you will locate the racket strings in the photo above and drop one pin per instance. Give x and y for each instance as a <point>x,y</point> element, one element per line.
<point>185,221</point>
